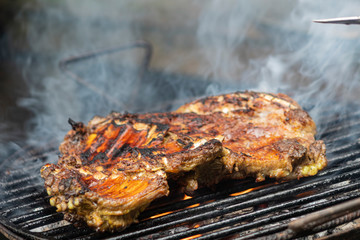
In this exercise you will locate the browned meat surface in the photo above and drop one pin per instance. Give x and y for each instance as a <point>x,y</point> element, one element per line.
<point>263,134</point>
<point>113,168</point>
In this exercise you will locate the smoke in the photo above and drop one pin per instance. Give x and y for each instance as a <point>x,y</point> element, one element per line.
<point>55,31</point>
<point>314,63</point>
<point>224,27</point>
<point>270,46</point>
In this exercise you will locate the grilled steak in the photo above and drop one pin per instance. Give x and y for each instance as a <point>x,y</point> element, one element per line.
<point>110,170</point>
<point>264,135</point>
<point>113,168</point>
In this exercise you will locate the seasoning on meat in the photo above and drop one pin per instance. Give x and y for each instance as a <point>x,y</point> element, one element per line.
<point>265,135</point>
<point>113,168</point>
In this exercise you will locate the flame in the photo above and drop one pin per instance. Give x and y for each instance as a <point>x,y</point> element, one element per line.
<point>192,237</point>
<point>197,225</point>
<point>194,205</point>
<point>159,215</point>
<point>242,192</point>
<point>186,197</point>
<point>250,190</point>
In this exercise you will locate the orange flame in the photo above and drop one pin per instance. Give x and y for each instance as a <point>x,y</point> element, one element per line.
<point>160,215</point>
<point>194,205</point>
<point>242,192</point>
<point>192,237</point>
<point>250,190</point>
<point>186,197</point>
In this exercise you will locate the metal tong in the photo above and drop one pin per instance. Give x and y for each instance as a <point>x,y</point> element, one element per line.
<point>342,20</point>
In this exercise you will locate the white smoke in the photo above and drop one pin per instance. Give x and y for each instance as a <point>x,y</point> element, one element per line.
<point>54,32</point>
<point>270,46</point>
<point>314,63</point>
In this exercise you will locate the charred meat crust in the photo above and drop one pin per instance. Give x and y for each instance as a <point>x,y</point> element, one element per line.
<point>265,135</point>
<point>112,168</point>
<point>109,205</point>
<point>178,162</point>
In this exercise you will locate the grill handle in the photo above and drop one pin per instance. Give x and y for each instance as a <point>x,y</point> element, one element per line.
<point>63,65</point>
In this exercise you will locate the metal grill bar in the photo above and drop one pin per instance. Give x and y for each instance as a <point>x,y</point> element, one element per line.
<point>33,215</point>
<point>341,129</point>
<point>184,201</point>
<point>30,204</point>
<point>264,192</point>
<point>211,210</point>
<point>251,216</point>
<point>261,212</point>
<point>345,147</point>
<point>345,157</point>
<point>270,220</point>
<point>12,200</point>
<point>22,189</point>
<point>13,183</point>
<point>329,120</point>
<point>44,220</point>
<point>352,135</point>
<point>20,233</point>
<point>264,232</point>
<point>338,221</point>
<point>69,232</point>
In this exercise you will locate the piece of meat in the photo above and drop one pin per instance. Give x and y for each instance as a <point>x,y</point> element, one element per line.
<point>110,170</point>
<point>113,168</point>
<point>265,135</point>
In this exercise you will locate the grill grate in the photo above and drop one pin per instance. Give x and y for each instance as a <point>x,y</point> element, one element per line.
<point>243,209</point>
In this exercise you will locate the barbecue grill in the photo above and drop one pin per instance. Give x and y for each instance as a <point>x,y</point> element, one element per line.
<point>241,209</point>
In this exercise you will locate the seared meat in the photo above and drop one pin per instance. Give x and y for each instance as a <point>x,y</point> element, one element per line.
<point>113,168</point>
<point>264,135</point>
<point>110,170</point>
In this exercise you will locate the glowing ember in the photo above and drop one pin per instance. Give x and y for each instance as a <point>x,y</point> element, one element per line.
<point>186,197</point>
<point>195,205</point>
<point>197,225</point>
<point>242,192</point>
<point>160,215</point>
<point>192,237</point>
<point>250,190</point>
